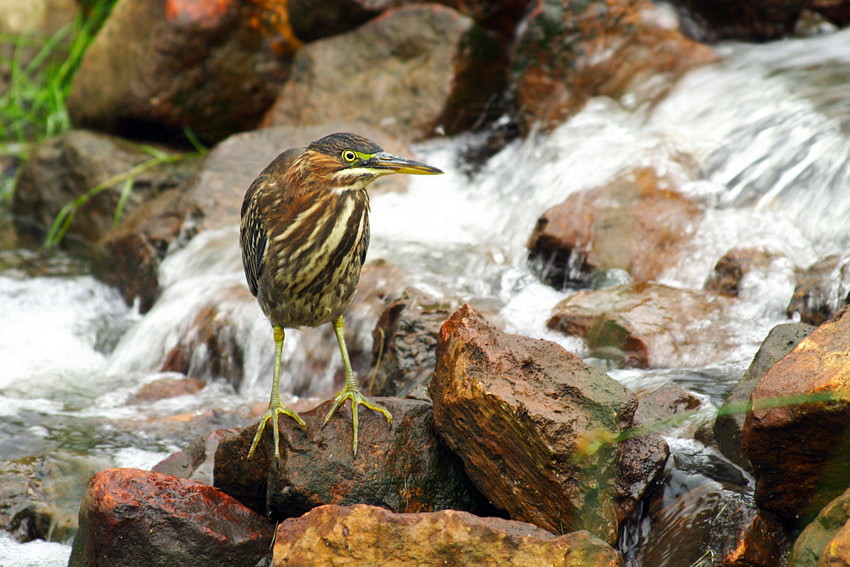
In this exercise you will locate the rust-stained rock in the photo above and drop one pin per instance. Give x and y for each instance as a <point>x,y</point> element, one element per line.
<point>637,223</point>
<point>155,69</point>
<point>413,71</point>
<point>730,417</point>
<point>796,434</point>
<point>367,535</point>
<point>826,537</point>
<point>405,344</point>
<point>66,167</point>
<point>571,50</point>
<point>712,525</point>
<point>131,517</point>
<point>402,466</point>
<point>646,325</point>
<point>535,426</point>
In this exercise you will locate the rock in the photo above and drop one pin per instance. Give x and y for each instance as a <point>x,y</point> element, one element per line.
<point>212,67</point>
<point>195,462</point>
<point>730,416</point>
<point>450,68</point>
<point>366,535</point>
<point>133,251</point>
<point>163,388</point>
<point>636,223</point>
<point>604,48</point>
<point>662,405</point>
<point>536,427</point>
<point>822,289</point>
<point>825,537</point>
<point>66,167</point>
<point>402,466</point>
<point>210,347</point>
<point>730,270</point>
<point>794,434</point>
<point>646,325</point>
<point>762,20</point>
<point>836,11</point>
<point>131,517</point>
<point>712,525</point>
<point>405,344</point>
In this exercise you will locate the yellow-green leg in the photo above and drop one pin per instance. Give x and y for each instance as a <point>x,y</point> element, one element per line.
<point>276,408</point>
<point>350,391</point>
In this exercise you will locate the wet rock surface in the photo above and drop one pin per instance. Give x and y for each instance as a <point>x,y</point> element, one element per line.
<point>402,466</point>
<point>735,265</point>
<point>449,66</point>
<point>761,20</point>
<point>821,290</point>
<point>794,435</point>
<point>644,325</point>
<point>131,517</point>
<point>367,535</point>
<point>405,344</point>
<point>730,419</point>
<point>604,48</point>
<point>712,525</point>
<point>195,462</point>
<point>536,427</point>
<point>636,223</point>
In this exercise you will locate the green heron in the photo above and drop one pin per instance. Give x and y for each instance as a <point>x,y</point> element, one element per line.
<point>304,234</point>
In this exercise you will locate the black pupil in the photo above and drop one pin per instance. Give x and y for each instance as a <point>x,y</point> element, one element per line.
<point>349,156</point>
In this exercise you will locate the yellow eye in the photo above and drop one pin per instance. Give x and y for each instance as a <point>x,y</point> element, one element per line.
<point>349,156</point>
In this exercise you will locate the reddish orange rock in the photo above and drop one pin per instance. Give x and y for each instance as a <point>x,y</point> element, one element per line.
<point>795,435</point>
<point>131,517</point>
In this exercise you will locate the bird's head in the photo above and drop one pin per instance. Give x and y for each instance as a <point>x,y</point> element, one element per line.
<point>348,162</point>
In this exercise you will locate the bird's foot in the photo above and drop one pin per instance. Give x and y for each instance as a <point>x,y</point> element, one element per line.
<point>271,415</point>
<point>357,399</point>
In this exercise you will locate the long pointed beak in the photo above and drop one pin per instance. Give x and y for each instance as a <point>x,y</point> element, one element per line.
<point>397,164</point>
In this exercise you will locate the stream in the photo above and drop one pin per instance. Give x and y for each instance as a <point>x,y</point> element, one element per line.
<point>768,126</point>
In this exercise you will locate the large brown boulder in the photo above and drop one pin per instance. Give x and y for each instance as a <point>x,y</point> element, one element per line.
<point>67,167</point>
<point>412,71</point>
<point>795,436</point>
<point>571,50</point>
<point>536,427</point>
<point>645,325</point>
<point>157,68</point>
<point>637,223</point>
<point>367,535</point>
<point>135,518</point>
<point>402,466</point>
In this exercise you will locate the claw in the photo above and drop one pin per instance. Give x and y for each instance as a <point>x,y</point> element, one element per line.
<point>357,399</point>
<point>272,415</point>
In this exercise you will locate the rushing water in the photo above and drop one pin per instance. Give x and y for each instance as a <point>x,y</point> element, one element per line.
<point>768,127</point>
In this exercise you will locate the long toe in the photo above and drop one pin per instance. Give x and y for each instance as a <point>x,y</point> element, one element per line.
<point>271,416</point>
<point>357,399</point>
